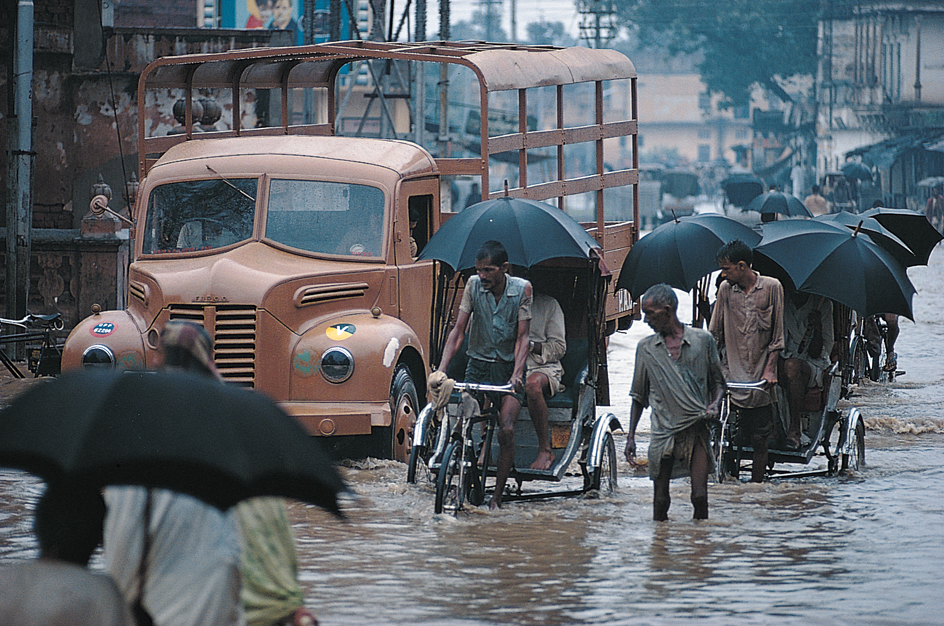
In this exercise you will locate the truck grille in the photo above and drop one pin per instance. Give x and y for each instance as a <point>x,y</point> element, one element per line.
<point>233,329</point>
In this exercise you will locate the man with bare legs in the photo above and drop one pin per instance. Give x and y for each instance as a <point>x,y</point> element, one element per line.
<point>678,373</point>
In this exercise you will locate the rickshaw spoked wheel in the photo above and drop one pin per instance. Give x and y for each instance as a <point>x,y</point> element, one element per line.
<point>452,483</point>
<point>856,458</point>
<point>603,478</point>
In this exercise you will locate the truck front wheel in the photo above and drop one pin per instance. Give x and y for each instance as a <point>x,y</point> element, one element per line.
<point>403,405</point>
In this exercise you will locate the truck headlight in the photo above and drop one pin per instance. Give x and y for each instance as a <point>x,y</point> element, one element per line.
<point>337,364</point>
<point>98,356</point>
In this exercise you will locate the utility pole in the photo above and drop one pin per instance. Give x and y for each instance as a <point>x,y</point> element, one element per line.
<point>19,210</point>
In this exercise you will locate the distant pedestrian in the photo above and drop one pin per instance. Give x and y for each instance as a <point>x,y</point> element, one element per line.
<point>747,323</point>
<point>678,373</point>
<point>817,204</point>
<point>934,209</point>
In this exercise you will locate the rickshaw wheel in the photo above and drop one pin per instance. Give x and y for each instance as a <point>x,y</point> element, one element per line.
<point>860,361</point>
<point>856,458</point>
<point>421,452</point>
<point>604,476</point>
<point>449,492</point>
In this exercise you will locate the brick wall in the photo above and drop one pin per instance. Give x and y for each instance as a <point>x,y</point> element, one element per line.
<point>148,13</point>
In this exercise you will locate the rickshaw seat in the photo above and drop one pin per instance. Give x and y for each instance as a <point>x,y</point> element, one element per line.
<point>574,361</point>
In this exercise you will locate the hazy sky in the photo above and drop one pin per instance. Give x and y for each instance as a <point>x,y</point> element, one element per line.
<point>528,11</point>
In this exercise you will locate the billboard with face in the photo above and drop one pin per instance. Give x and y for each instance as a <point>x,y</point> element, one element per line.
<point>284,15</point>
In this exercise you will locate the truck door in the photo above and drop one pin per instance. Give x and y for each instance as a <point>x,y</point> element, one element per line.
<point>417,206</point>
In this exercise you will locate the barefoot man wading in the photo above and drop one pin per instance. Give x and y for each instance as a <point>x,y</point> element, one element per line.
<point>678,373</point>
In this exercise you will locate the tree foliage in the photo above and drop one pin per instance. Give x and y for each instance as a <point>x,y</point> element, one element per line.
<point>548,33</point>
<point>742,43</point>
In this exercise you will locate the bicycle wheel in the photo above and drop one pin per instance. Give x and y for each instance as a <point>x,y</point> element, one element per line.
<point>719,444</point>
<point>856,458</point>
<point>421,451</point>
<point>452,483</point>
<point>604,475</point>
<point>858,361</point>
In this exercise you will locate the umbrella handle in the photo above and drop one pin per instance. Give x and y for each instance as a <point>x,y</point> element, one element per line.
<point>141,615</point>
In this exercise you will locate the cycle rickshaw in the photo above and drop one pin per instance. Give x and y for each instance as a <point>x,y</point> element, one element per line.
<point>456,448</point>
<point>827,429</point>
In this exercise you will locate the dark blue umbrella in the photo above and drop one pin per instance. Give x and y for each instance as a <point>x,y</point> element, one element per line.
<point>742,187</point>
<point>911,227</point>
<point>680,252</point>
<point>836,262</point>
<point>192,434</point>
<point>778,202</point>
<point>856,170</point>
<point>530,231</point>
<point>878,233</point>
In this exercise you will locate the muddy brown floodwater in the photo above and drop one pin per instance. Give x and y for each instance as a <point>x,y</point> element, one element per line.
<point>865,548</point>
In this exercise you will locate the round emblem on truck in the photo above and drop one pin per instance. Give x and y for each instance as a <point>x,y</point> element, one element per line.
<point>340,332</point>
<point>102,329</point>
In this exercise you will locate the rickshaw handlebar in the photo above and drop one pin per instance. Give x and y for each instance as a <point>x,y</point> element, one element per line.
<point>507,388</point>
<point>760,384</point>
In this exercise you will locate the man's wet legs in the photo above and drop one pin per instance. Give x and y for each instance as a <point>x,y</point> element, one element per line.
<point>796,374</point>
<point>756,426</point>
<point>699,478</point>
<point>506,447</point>
<point>534,389</point>
<point>763,424</point>
<point>660,485</point>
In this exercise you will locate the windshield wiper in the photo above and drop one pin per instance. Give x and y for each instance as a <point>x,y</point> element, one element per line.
<point>228,182</point>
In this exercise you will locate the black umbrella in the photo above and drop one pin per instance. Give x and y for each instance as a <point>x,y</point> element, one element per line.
<point>778,202</point>
<point>876,232</point>
<point>530,231</point>
<point>219,443</point>
<point>680,252</point>
<point>855,170</point>
<point>742,187</point>
<point>833,261</point>
<point>911,227</point>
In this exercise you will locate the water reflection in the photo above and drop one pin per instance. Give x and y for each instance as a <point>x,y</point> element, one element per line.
<point>863,549</point>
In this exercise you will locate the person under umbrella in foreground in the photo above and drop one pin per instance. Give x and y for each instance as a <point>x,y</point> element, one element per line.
<point>498,343</point>
<point>175,557</point>
<point>678,372</point>
<point>747,323</point>
<point>260,585</point>
<point>58,589</point>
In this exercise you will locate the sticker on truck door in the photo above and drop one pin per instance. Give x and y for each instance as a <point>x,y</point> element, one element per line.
<point>340,332</point>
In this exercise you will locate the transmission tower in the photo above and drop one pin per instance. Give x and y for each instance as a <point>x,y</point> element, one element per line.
<point>598,25</point>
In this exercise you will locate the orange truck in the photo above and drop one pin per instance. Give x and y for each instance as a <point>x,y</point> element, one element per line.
<point>293,244</point>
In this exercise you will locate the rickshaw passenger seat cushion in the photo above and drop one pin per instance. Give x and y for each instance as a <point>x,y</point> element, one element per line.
<point>574,361</point>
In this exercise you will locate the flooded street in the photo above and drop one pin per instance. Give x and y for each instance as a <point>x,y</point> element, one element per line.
<point>864,548</point>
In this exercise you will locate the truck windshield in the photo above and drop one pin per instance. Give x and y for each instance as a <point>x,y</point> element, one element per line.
<point>326,217</point>
<point>199,215</point>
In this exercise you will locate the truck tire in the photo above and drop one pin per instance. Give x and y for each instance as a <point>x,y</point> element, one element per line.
<point>404,405</point>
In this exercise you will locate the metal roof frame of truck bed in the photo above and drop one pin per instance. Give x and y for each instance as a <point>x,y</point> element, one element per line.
<point>498,67</point>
